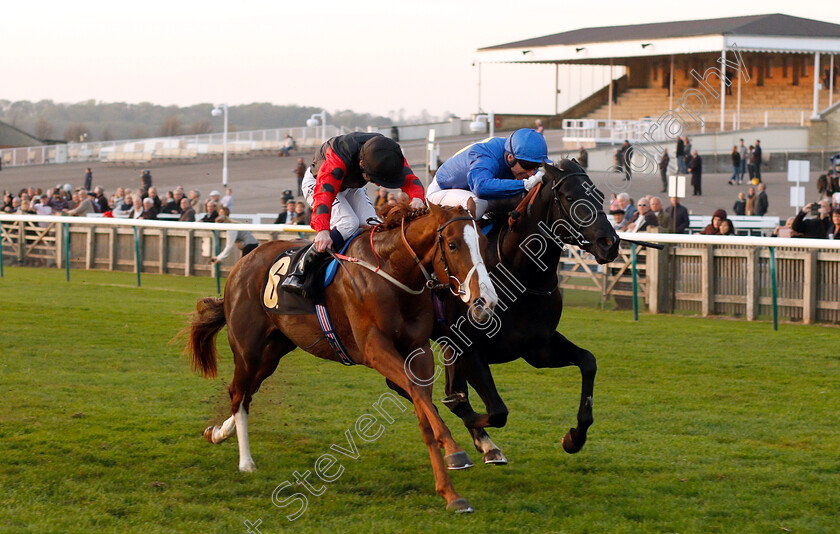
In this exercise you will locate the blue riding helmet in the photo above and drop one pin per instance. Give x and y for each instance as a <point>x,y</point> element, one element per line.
<point>527,145</point>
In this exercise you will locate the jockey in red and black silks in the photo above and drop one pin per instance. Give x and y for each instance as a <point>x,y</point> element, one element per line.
<point>334,187</point>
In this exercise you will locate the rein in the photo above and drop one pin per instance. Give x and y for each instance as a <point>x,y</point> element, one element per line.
<point>432,281</point>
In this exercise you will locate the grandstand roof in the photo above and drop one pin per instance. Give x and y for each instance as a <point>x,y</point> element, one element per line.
<point>755,33</point>
<point>775,24</point>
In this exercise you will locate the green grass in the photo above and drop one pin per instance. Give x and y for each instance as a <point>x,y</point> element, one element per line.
<point>700,425</point>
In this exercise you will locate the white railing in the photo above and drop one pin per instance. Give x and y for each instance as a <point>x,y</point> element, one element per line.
<point>165,148</point>
<point>616,131</point>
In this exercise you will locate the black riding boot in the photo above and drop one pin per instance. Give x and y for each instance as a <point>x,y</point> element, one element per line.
<point>294,280</point>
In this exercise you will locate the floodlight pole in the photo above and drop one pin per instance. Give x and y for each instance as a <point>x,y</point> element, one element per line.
<point>216,111</point>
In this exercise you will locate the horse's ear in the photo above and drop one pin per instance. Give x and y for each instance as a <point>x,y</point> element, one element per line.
<point>435,210</point>
<point>471,207</point>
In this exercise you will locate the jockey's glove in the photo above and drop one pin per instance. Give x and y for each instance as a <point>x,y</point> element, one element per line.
<point>529,183</point>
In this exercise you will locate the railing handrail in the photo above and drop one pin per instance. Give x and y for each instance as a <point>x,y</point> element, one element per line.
<point>778,242</point>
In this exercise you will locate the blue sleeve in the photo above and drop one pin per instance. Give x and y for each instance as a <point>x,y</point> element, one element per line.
<point>484,176</point>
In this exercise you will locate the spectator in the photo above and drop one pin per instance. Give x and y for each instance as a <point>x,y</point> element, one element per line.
<point>626,156</point>
<point>146,180</point>
<point>157,203</point>
<point>210,213</point>
<point>646,218</point>
<point>663,218</point>
<point>85,205</point>
<point>149,211</point>
<point>122,207</point>
<point>625,203</point>
<point>102,204</point>
<point>751,164</point>
<point>88,179</point>
<point>813,221</point>
<point>740,206</point>
<point>726,227</point>
<point>680,155</point>
<point>235,238</point>
<point>288,146</point>
<point>539,127</point>
<point>583,158</point>
<point>687,155</point>
<point>187,211</point>
<point>381,197</point>
<point>736,165</point>
<point>25,208</point>
<point>663,169</point>
<point>713,228</point>
<point>227,200</point>
<point>194,197</point>
<point>41,208</point>
<point>618,218</point>
<point>695,167</point>
<point>761,202</point>
<point>174,205</point>
<point>287,217</point>
<point>57,201</point>
<point>301,214</point>
<point>757,154</point>
<point>786,230</point>
<point>300,172</point>
<point>749,209</point>
<point>679,215</point>
<point>743,153</point>
<point>834,227</point>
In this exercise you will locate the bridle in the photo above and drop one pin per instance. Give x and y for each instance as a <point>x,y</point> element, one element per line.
<point>432,281</point>
<point>570,239</point>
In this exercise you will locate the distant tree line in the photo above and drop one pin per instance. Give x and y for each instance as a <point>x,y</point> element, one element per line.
<point>102,121</point>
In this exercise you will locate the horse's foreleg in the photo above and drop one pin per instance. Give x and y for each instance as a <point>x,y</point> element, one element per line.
<point>561,353</point>
<point>385,359</point>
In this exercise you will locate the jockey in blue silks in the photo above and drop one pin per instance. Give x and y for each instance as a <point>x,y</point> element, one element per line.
<point>493,168</point>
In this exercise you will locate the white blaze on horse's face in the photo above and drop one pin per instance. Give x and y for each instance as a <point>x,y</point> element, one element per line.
<point>488,292</point>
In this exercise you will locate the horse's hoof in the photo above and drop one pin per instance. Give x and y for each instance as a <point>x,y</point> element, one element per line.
<point>460,506</point>
<point>458,460</point>
<point>569,444</point>
<point>248,467</point>
<point>208,434</point>
<point>495,456</point>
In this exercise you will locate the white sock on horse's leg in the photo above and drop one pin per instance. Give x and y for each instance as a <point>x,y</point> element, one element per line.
<point>246,463</point>
<point>221,433</point>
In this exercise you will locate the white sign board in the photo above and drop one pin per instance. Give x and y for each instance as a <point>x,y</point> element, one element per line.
<point>799,170</point>
<point>676,186</point>
<point>797,197</point>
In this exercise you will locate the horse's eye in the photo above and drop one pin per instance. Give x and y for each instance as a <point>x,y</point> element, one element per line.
<point>452,246</point>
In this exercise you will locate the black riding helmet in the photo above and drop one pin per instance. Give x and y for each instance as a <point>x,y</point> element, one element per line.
<point>383,162</point>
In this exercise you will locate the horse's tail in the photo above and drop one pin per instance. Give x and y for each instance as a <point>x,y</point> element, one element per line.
<point>208,319</point>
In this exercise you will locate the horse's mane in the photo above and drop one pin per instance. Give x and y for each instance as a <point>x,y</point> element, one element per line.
<point>399,213</point>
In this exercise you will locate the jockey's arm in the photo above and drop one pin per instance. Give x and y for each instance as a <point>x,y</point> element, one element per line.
<point>413,187</point>
<point>327,186</point>
<point>484,183</point>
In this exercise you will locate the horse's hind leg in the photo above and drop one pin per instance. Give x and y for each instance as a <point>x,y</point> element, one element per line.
<point>561,352</point>
<point>457,400</point>
<point>256,355</point>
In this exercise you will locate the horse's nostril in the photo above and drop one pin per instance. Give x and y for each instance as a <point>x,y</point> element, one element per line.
<point>606,242</point>
<point>480,302</point>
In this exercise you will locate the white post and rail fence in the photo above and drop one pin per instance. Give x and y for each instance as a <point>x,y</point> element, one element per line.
<point>747,277</point>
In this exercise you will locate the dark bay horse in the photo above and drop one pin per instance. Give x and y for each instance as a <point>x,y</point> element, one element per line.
<point>379,330</point>
<point>522,257</point>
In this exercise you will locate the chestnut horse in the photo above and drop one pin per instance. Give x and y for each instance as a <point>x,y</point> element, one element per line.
<point>523,256</point>
<point>379,322</point>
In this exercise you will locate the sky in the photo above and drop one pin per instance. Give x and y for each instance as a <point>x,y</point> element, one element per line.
<point>370,56</point>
